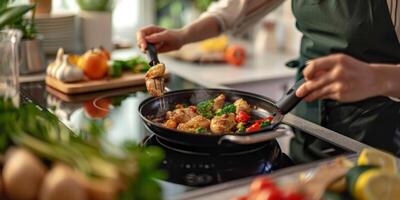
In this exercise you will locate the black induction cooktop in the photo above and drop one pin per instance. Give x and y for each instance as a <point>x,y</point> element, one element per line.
<point>200,169</point>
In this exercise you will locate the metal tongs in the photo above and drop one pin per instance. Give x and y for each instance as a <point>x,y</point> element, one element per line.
<point>155,85</point>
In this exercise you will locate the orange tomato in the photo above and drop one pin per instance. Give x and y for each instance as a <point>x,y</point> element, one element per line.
<point>105,52</point>
<point>235,55</point>
<point>94,65</point>
<point>98,111</point>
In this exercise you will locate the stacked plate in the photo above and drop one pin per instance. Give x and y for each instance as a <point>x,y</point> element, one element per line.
<point>58,30</point>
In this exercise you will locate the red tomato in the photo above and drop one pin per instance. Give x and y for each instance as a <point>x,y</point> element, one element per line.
<point>261,183</point>
<point>242,117</point>
<point>235,55</point>
<point>270,118</point>
<point>98,111</point>
<point>241,198</point>
<point>294,196</point>
<point>267,194</point>
<point>254,127</point>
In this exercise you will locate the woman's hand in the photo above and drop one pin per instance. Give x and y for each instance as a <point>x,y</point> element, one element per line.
<point>164,39</point>
<point>338,77</point>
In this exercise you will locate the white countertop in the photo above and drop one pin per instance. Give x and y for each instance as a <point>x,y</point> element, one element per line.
<point>270,66</point>
<point>257,68</point>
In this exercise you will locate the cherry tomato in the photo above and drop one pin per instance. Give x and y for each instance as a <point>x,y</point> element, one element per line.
<point>254,127</point>
<point>294,196</point>
<point>267,194</point>
<point>242,117</point>
<point>261,183</point>
<point>235,55</point>
<point>241,198</point>
<point>270,118</point>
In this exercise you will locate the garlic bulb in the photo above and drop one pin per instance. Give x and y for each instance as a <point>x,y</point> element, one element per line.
<point>66,72</point>
<point>52,67</point>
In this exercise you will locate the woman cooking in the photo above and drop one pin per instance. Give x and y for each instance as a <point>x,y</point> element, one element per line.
<point>349,55</point>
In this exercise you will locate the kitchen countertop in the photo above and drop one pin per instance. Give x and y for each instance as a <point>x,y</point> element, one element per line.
<point>257,68</point>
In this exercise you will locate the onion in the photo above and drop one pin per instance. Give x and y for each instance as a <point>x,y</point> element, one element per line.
<point>23,173</point>
<point>61,184</point>
<point>98,189</point>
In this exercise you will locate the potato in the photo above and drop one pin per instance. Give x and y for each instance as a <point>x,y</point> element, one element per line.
<point>23,173</point>
<point>61,184</point>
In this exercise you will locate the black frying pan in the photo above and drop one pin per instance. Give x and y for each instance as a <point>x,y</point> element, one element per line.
<point>155,107</point>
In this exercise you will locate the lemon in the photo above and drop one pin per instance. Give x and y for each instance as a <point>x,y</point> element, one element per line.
<point>339,185</point>
<point>377,185</point>
<point>384,160</point>
<point>215,44</point>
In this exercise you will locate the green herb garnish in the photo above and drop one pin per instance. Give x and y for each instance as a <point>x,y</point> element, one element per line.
<point>228,108</point>
<point>200,130</point>
<point>204,108</point>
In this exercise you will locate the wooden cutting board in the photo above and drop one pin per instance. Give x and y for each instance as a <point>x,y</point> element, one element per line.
<point>127,79</point>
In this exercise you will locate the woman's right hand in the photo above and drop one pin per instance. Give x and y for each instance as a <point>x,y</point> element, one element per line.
<point>164,39</point>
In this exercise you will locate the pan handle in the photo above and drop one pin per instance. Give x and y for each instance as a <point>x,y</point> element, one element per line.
<point>289,99</point>
<point>152,54</point>
<point>280,131</point>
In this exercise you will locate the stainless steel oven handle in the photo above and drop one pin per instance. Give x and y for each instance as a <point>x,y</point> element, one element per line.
<point>280,131</point>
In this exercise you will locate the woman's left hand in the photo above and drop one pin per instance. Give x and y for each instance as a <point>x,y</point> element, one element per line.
<point>339,77</point>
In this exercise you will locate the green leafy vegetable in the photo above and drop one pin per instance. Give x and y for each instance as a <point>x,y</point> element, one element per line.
<point>136,65</point>
<point>204,108</point>
<point>228,108</point>
<point>200,130</point>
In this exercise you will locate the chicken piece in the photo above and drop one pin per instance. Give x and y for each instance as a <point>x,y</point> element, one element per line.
<point>223,124</point>
<point>156,71</point>
<point>182,115</point>
<point>155,86</point>
<point>194,123</point>
<point>155,80</point>
<point>219,101</point>
<point>242,105</point>
<point>170,124</point>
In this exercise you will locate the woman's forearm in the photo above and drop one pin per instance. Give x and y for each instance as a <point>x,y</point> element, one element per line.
<point>200,29</point>
<point>388,79</point>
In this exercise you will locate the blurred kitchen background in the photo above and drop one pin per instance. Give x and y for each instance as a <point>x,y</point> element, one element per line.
<point>81,24</point>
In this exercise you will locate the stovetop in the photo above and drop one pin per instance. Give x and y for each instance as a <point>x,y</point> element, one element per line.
<point>117,112</point>
<point>203,169</point>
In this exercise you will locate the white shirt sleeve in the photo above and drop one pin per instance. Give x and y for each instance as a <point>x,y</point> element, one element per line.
<point>238,15</point>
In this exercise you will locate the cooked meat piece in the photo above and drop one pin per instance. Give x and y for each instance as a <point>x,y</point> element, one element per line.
<point>170,124</point>
<point>156,71</point>
<point>194,123</point>
<point>155,80</point>
<point>155,86</point>
<point>223,124</point>
<point>242,105</point>
<point>219,102</point>
<point>182,115</point>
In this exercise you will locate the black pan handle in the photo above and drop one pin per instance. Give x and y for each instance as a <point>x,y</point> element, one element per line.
<point>152,54</point>
<point>281,130</point>
<point>289,99</point>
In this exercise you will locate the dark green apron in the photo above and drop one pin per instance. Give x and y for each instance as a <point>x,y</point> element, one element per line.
<point>362,29</point>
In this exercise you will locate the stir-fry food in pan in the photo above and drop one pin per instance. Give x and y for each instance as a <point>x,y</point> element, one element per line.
<point>215,116</point>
